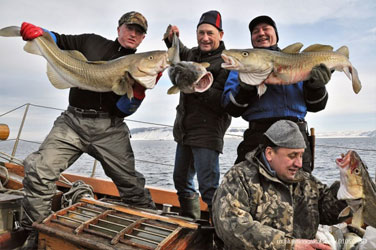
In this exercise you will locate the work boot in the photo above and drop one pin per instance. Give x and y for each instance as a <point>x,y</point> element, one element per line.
<point>190,206</point>
<point>31,241</point>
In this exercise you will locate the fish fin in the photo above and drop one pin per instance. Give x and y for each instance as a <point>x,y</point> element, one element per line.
<point>254,78</point>
<point>205,64</point>
<point>124,85</point>
<point>10,31</point>
<point>346,212</point>
<point>356,84</point>
<point>293,48</point>
<point>32,48</point>
<point>261,89</point>
<point>318,48</point>
<point>346,70</point>
<point>173,90</point>
<point>165,35</point>
<point>343,51</point>
<point>56,80</point>
<point>130,93</point>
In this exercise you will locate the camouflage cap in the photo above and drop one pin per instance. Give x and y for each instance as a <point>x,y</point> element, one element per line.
<point>134,17</point>
<point>285,134</point>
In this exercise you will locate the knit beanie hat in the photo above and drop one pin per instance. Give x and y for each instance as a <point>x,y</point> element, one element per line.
<point>212,17</point>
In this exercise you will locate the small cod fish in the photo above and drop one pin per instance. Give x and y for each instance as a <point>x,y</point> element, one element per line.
<point>358,189</point>
<point>67,69</point>
<point>186,76</point>
<point>259,66</point>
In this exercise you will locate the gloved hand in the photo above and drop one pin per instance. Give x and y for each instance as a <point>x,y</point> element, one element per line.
<point>138,91</point>
<point>320,75</point>
<point>30,31</point>
<point>245,86</point>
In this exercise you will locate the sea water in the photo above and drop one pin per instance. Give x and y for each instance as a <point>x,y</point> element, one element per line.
<point>155,158</point>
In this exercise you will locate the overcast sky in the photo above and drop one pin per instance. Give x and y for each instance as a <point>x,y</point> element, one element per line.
<point>339,22</point>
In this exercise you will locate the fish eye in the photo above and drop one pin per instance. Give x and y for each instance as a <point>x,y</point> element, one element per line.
<point>357,171</point>
<point>151,57</point>
<point>245,53</point>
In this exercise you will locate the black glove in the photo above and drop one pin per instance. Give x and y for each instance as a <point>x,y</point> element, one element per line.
<point>246,92</point>
<point>320,75</point>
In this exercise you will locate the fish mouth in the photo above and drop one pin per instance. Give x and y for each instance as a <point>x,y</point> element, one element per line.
<point>344,161</point>
<point>229,62</point>
<point>203,83</point>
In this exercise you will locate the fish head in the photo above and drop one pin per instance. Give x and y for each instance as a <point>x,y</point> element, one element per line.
<point>190,77</point>
<point>246,60</point>
<point>145,67</point>
<point>351,176</point>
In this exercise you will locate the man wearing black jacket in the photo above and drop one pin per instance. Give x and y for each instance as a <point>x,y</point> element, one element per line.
<point>200,122</point>
<point>279,102</point>
<point>92,124</point>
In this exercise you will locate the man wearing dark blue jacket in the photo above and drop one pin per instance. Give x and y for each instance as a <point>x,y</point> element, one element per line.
<point>288,102</point>
<point>92,124</point>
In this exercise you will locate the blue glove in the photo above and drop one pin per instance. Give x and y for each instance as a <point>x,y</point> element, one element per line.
<point>127,106</point>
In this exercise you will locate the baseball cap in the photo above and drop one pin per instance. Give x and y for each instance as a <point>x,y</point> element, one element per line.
<point>285,134</point>
<point>212,17</point>
<point>263,19</point>
<point>134,17</point>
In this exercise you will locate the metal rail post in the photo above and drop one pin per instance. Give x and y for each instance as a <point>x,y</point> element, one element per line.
<point>19,133</point>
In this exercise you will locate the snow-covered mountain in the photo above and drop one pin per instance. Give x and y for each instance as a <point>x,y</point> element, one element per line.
<point>165,133</point>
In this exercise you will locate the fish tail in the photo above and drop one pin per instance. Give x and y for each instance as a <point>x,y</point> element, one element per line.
<point>11,31</point>
<point>344,51</point>
<point>32,48</point>
<point>355,80</point>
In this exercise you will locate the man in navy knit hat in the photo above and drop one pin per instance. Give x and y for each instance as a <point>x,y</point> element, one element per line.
<point>288,102</point>
<point>200,122</point>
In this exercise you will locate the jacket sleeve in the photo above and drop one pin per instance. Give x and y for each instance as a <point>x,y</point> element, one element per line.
<point>329,206</point>
<point>315,98</point>
<point>236,96</point>
<point>233,221</point>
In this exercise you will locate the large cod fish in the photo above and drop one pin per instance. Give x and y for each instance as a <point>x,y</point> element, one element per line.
<point>358,189</point>
<point>259,66</point>
<point>66,69</point>
<point>186,76</point>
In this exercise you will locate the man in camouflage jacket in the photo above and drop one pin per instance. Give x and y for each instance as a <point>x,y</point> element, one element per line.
<point>267,202</point>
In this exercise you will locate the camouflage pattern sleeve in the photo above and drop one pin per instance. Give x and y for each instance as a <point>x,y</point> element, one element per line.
<point>235,205</point>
